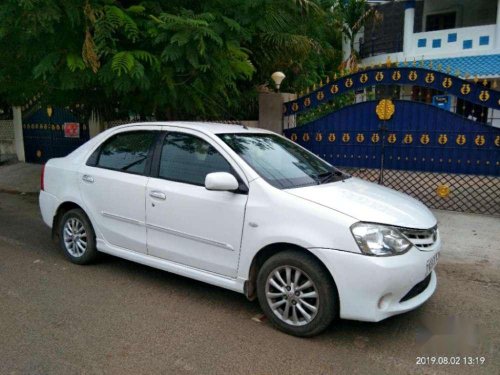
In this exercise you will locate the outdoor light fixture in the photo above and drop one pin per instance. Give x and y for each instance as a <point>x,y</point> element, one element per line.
<point>278,77</point>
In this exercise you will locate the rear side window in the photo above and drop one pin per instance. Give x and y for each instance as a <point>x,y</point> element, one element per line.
<point>186,158</point>
<point>127,152</point>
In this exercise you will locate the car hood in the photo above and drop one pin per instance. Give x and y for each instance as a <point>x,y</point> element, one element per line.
<point>366,201</point>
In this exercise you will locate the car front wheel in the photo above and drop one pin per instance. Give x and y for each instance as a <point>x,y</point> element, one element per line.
<point>76,237</point>
<point>297,293</point>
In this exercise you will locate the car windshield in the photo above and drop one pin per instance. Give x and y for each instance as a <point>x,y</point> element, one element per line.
<point>281,162</point>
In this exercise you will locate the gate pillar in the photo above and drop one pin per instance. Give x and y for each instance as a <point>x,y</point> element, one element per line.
<point>18,133</point>
<point>271,110</point>
<point>95,124</point>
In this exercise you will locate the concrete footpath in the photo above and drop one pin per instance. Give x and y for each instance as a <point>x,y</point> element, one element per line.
<point>20,178</point>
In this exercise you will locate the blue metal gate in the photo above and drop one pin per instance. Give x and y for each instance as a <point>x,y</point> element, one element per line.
<point>44,135</point>
<point>441,157</point>
<point>420,137</point>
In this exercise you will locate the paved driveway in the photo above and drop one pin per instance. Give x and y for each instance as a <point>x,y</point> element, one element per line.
<point>120,317</point>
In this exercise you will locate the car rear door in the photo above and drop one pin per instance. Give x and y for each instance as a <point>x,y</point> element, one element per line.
<point>113,184</point>
<point>186,223</point>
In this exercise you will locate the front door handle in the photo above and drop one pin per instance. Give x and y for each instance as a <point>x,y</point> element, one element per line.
<point>157,195</point>
<point>88,178</point>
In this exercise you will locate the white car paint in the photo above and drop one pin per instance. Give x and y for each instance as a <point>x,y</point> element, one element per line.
<point>213,236</point>
<point>370,202</point>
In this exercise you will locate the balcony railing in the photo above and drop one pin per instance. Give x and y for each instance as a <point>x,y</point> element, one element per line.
<point>381,45</point>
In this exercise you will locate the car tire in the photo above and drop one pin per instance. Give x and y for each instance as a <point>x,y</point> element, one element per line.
<point>287,302</point>
<point>77,237</point>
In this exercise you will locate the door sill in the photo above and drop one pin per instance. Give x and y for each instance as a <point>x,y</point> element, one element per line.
<point>226,282</point>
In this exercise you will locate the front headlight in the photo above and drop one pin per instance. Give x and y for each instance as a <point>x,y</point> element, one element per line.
<point>381,240</point>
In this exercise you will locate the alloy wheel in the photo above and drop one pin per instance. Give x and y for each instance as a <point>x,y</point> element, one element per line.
<point>292,295</point>
<point>75,237</point>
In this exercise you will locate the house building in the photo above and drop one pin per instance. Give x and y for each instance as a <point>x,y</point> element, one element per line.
<point>458,36</point>
<point>462,34</point>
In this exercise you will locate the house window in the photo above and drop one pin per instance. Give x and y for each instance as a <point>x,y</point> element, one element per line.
<point>422,43</point>
<point>484,40</point>
<point>440,21</point>
<point>467,44</point>
<point>452,37</point>
<point>436,43</point>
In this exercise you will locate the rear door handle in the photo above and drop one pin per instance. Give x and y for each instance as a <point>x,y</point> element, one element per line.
<point>157,195</point>
<point>88,178</point>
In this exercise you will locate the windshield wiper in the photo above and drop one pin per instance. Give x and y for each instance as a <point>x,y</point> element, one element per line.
<point>327,176</point>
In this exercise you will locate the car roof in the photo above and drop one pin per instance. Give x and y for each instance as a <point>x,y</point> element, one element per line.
<point>205,127</point>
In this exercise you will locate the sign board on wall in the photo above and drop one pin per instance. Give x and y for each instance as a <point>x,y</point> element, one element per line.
<point>71,130</point>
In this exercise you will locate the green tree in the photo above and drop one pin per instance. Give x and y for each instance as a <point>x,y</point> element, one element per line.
<point>351,17</point>
<point>172,60</point>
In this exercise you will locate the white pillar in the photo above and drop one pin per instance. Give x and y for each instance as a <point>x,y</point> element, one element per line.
<point>94,124</point>
<point>18,132</point>
<point>346,47</point>
<point>497,37</point>
<point>408,27</point>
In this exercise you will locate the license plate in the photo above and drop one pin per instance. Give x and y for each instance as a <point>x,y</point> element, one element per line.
<point>431,263</point>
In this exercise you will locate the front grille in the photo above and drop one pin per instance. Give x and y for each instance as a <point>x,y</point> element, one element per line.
<point>423,239</point>
<point>417,289</point>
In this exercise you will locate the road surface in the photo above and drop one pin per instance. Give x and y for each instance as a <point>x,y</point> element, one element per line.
<point>119,317</point>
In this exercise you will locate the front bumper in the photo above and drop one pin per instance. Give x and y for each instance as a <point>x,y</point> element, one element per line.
<point>374,288</point>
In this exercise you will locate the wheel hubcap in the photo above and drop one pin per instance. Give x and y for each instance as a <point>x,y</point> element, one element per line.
<point>292,295</point>
<point>75,237</point>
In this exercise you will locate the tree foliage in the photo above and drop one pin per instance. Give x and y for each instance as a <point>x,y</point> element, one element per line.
<point>172,60</point>
<point>351,17</point>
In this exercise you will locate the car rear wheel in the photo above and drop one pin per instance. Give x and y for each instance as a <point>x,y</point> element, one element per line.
<point>77,237</point>
<point>297,293</point>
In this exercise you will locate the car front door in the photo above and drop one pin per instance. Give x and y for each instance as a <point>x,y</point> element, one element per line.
<point>186,223</point>
<point>113,187</point>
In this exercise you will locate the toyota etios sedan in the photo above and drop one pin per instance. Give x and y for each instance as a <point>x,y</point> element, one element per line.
<point>247,210</point>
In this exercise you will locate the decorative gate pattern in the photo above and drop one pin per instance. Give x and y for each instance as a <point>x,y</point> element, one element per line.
<point>443,159</point>
<point>44,135</point>
<point>475,93</point>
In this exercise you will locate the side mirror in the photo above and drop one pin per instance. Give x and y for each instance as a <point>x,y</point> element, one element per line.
<point>221,181</point>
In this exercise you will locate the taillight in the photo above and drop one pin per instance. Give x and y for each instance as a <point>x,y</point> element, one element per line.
<point>42,178</point>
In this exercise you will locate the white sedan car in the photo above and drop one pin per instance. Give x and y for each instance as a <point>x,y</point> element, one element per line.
<point>247,210</point>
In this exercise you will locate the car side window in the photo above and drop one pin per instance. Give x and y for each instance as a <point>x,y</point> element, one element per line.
<point>127,152</point>
<point>186,158</point>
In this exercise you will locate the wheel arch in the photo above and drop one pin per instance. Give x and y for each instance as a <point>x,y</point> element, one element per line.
<point>60,211</point>
<point>250,287</point>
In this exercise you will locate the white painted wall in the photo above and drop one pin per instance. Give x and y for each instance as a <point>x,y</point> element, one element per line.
<point>465,33</point>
